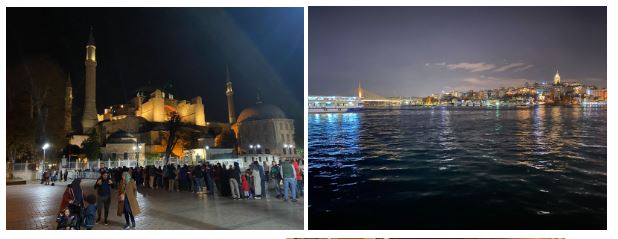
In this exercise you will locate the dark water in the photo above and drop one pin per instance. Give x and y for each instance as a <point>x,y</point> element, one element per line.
<point>445,168</point>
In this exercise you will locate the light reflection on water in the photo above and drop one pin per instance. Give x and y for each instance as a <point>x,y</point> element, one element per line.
<point>545,166</point>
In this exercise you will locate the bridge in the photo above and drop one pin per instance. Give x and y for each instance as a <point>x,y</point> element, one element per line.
<point>369,98</point>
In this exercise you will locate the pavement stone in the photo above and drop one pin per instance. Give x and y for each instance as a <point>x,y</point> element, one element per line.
<point>35,206</point>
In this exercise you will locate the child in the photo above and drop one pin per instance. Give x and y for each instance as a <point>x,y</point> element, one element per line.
<point>90,211</point>
<point>65,220</point>
<point>245,185</point>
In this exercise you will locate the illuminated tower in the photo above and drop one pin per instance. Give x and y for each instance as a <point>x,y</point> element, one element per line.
<point>68,105</point>
<point>557,78</point>
<point>360,90</point>
<point>230,98</point>
<point>89,118</point>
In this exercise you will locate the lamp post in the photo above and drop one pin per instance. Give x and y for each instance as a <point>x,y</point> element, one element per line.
<point>206,153</point>
<point>258,148</point>
<point>250,148</point>
<point>45,146</point>
<point>137,149</point>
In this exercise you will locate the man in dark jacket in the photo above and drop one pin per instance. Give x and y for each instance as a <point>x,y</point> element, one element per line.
<point>210,179</point>
<point>198,177</point>
<point>103,187</point>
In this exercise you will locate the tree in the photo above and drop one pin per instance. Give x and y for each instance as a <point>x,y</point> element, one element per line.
<point>172,128</point>
<point>91,147</point>
<point>35,106</point>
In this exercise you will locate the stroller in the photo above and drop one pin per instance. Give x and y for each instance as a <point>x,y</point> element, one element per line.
<point>66,220</point>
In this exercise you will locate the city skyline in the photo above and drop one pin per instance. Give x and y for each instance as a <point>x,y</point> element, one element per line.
<point>418,51</point>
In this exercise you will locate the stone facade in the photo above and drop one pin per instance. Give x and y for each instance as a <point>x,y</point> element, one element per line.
<point>267,126</point>
<point>160,106</point>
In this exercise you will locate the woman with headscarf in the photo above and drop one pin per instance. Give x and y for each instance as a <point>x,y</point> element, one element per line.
<point>127,200</point>
<point>73,198</point>
<point>225,180</point>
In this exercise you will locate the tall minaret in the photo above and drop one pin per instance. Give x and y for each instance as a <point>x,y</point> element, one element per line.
<point>360,90</point>
<point>68,105</point>
<point>557,78</point>
<point>89,119</point>
<point>230,98</point>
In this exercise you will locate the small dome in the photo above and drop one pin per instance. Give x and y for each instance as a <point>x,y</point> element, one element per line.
<point>121,137</point>
<point>261,111</point>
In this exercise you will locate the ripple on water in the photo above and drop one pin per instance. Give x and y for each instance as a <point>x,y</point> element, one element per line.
<point>521,164</point>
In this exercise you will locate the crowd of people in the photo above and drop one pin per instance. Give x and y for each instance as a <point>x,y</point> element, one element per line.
<point>50,176</point>
<point>78,210</point>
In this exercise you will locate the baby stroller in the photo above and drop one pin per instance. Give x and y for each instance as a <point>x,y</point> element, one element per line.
<point>66,221</point>
<point>76,212</point>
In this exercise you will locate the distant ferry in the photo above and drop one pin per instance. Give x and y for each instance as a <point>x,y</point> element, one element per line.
<point>334,104</point>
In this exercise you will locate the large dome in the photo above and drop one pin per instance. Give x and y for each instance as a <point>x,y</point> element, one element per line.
<point>121,137</point>
<point>261,111</point>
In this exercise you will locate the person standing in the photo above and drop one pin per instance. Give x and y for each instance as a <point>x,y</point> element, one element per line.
<point>257,179</point>
<point>76,202</point>
<point>245,184</point>
<point>89,212</point>
<point>127,200</point>
<point>289,180</point>
<point>198,177</point>
<point>104,192</point>
<point>234,179</point>
<point>151,176</point>
<point>210,181</point>
<point>299,178</point>
<point>275,174</point>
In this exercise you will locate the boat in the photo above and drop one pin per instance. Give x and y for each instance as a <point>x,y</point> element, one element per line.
<point>334,104</point>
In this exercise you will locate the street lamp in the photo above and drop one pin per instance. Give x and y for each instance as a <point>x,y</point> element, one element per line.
<point>206,153</point>
<point>258,148</point>
<point>251,147</point>
<point>135,149</point>
<point>45,146</point>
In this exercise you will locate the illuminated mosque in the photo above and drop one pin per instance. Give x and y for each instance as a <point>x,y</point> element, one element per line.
<point>136,131</point>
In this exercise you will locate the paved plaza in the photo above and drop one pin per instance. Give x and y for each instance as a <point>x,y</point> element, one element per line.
<point>35,206</point>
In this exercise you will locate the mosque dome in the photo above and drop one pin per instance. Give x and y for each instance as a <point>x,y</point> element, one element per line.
<point>121,137</point>
<point>261,111</point>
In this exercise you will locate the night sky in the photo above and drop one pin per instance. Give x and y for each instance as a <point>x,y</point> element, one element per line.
<point>417,51</point>
<point>186,49</point>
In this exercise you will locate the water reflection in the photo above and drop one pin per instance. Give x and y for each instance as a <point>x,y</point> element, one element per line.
<point>530,164</point>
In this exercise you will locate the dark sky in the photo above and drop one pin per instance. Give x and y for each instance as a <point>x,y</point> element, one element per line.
<point>187,48</point>
<point>417,51</point>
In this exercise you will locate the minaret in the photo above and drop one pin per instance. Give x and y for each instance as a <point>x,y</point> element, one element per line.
<point>557,78</point>
<point>68,105</point>
<point>230,98</point>
<point>360,90</point>
<point>89,119</point>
